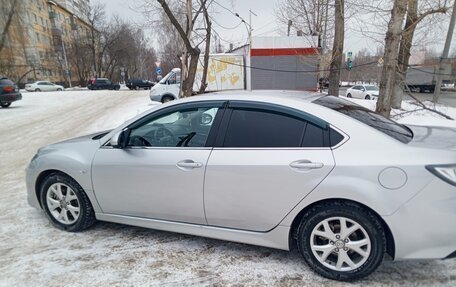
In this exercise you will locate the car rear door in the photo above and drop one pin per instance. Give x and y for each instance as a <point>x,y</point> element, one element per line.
<point>266,160</point>
<point>160,174</point>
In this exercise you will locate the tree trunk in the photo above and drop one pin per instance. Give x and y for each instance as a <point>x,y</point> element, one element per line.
<point>338,48</point>
<point>392,39</point>
<point>187,84</point>
<point>207,50</point>
<point>404,53</point>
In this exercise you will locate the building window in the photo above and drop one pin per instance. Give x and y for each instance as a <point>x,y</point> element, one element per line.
<point>37,36</point>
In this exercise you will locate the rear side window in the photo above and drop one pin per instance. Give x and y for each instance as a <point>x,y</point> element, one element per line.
<point>260,128</point>
<point>368,117</point>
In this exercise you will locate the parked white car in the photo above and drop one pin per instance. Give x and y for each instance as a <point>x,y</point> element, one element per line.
<point>43,86</point>
<point>367,92</point>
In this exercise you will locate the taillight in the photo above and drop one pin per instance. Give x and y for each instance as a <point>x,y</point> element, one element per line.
<point>8,89</point>
<point>93,82</point>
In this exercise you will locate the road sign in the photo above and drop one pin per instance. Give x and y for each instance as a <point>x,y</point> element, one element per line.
<point>158,70</point>
<point>380,62</point>
<point>349,55</point>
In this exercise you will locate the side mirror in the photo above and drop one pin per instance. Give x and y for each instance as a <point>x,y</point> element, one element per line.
<point>120,139</point>
<point>206,119</point>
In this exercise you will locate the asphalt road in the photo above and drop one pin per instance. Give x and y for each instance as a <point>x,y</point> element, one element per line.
<point>446,98</point>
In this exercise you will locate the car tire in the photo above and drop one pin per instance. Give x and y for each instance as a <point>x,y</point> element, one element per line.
<point>367,97</point>
<point>5,105</point>
<point>66,204</point>
<point>328,252</point>
<point>37,90</point>
<point>136,87</point>
<point>116,88</point>
<point>349,95</point>
<point>166,99</point>
<point>59,90</point>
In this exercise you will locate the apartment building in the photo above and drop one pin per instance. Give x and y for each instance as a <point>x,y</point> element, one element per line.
<point>39,40</point>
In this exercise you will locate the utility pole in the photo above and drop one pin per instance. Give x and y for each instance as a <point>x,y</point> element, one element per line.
<point>444,57</point>
<point>67,69</point>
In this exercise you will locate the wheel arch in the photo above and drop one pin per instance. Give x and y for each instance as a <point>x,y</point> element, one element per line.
<point>168,95</point>
<point>42,176</point>
<point>390,243</point>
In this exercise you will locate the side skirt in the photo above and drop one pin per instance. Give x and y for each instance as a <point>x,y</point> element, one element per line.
<point>276,238</point>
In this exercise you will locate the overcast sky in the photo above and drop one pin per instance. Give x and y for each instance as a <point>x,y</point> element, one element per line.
<point>264,24</point>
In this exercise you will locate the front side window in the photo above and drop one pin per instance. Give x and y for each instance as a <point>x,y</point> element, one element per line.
<point>183,128</point>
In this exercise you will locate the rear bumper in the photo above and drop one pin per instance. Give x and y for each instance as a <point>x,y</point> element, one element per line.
<point>10,97</point>
<point>424,227</point>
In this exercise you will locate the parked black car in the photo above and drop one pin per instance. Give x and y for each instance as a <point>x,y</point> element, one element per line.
<point>9,92</point>
<point>102,84</point>
<point>136,84</point>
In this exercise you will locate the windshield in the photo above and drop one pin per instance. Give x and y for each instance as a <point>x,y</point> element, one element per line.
<point>165,78</point>
<point>391,128</point>
<point>371,88</point>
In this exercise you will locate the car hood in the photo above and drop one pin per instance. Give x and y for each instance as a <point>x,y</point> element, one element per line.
<point>433,137</point>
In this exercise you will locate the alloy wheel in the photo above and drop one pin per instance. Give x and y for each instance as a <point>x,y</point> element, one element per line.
<point>63,203</point>
<point>340,244</point>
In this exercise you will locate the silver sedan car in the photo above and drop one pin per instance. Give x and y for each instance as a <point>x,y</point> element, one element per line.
<point>276,169</point>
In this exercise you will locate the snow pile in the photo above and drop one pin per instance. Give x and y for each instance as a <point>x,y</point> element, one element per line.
<point>413,114</point>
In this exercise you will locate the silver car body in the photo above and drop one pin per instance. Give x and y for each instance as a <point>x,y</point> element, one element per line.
<point>253,195</point>
<point>43,86</point>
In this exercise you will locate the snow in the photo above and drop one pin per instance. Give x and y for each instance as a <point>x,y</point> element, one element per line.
<point>33,253</point>
<point>412,114</point>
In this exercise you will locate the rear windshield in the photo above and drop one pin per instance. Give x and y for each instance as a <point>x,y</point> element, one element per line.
<point>368,117</point>
<point>5,82</point>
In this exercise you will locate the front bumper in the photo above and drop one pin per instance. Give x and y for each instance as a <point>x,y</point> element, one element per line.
<point>10,97</point>
<point>425,226</point>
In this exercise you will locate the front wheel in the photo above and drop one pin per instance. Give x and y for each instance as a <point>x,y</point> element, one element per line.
<point>341,240</point>
<point>37,90</point>
<point>349,95</point>
<point>367,97</point>
<point>59,90</point>
<point>5,105</point>
<point>66,204</point>
<point>166,99</point>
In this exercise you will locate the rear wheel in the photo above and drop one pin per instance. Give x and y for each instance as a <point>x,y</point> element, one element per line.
<point>349,95</point>
<point>66,204</point>
<point>5,105</point>
<point>59,89</point>
<point>341,240</point>
<point>37,90</point>
<point>367,97</point>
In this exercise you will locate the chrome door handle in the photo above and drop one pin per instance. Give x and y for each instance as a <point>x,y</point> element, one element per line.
<point>189,164</point>
<point>306,164</point>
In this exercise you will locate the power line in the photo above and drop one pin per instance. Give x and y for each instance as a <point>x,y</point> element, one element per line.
<point>291,71</point>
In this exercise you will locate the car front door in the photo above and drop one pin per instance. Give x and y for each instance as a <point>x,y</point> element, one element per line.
<point>267,162</point>
<point>160,173</point>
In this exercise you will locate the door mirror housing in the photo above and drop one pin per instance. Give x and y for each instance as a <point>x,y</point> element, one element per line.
<point>120,139</point>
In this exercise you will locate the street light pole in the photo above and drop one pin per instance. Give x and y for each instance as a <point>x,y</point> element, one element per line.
<point>444,57</point>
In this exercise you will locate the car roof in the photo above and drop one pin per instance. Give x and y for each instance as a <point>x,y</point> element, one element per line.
<point>259,95</point>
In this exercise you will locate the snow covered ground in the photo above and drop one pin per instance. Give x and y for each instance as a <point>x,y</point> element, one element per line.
<point>33,253</point>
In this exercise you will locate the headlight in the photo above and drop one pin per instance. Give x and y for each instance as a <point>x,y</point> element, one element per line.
<point>446,172</point>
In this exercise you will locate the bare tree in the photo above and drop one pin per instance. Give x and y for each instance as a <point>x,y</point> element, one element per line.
<point>412,20</point>
<point>392,40</point>
<point>338,47</point>
<point>190,56</point>
<point>208,24</point>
